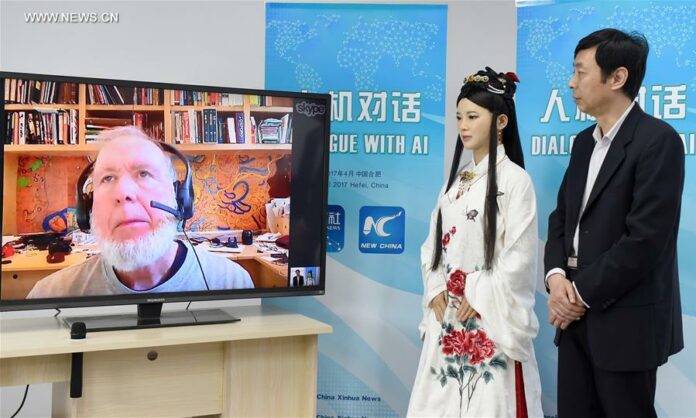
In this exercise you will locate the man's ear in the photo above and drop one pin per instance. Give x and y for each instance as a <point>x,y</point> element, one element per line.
<point>618,78</point>
<point>502,122</point>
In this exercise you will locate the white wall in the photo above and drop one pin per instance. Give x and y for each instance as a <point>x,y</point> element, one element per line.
<point>219,43</point>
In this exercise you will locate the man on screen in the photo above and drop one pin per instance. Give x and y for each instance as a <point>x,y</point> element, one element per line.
<point>139,249</point>
<point>297,279</point>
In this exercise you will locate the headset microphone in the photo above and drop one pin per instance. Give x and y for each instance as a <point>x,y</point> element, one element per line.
<point>168,209</point>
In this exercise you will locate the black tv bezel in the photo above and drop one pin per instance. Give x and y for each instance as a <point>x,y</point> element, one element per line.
<point>194,296</point>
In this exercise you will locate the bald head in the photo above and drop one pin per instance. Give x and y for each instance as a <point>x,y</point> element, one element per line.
<point>124,136</point>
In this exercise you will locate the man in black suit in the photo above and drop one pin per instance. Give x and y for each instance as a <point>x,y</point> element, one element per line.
<point>611,254</point>
<point>298,279</point>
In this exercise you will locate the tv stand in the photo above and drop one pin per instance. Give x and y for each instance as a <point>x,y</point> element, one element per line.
<point>150,316</point>
<point>263,366</point>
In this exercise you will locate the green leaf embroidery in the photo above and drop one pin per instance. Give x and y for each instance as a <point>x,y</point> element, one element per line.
<point>471,325</point>
<point>487,376</point>
<point>451,372</point>
<point>498,362</point>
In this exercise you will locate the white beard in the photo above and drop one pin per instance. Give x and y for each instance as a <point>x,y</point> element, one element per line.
<point>137,253</point>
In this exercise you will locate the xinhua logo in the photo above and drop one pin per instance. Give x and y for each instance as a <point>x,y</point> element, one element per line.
<point>335,228</point>
<point>382,229</point>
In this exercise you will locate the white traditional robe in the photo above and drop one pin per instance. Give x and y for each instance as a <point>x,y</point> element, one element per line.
<point>468,369</point>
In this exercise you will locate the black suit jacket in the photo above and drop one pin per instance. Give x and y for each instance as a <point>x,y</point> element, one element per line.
<point>627,242</point>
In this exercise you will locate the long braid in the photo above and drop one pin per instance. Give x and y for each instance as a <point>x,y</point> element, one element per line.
<point>491,207</point>
<point>437,245</point>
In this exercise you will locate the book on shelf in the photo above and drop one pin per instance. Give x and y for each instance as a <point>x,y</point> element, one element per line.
<point>231,130</point>
<point>210,126</point>
<point>193,124</point>
<point>286,129</point>
<point>239,124</point>
<point>269,131</point>
<point>147,96</point>
<point>101,94</point>
<point>253,127</point>
<point>276,131</point>
<point>279,101</point>
<point>22,130</point>
<point>108,122</point>
<point>153,127</point>
<point>42,126</point>
<point>177,121</point>
<point>221,131</point>
<point>226,129</point>
<point>198,98</point>
<point>95,125</point>
<point>188,127</point>
<point>19,91</point>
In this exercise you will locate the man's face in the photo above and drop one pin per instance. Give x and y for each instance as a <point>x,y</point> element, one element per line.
<point>591,94</point>
<point>128,174</point>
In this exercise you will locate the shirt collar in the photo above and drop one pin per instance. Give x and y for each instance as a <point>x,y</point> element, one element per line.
<point>482,166</point>
<point>611,133</point>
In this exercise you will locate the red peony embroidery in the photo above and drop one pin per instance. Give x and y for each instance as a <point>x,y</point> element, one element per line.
<point>475,344</point>
<point>469,358</point>
<point>446,239</point>
<point>453,230</point>
<point>481,347</point>
<point>456,282</point>
<point>456,343</point>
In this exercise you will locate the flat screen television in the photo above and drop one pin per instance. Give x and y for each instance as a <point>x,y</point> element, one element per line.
<point>127,192</point>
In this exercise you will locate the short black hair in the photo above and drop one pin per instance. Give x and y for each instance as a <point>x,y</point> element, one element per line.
<point>619,49</point>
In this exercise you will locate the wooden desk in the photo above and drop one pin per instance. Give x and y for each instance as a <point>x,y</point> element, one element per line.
<point>20,276</point>
<point>263,366</point>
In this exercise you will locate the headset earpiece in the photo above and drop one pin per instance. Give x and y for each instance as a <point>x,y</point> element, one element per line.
<point>183,190</point>
<point>84,199</point>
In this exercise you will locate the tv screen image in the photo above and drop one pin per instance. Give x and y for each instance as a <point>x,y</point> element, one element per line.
<point>123,192</point>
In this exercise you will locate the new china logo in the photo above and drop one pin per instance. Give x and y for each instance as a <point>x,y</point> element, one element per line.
<point>382,229</point>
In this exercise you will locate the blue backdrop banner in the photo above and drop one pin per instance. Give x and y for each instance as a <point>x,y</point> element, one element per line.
<point>384,66</point>
<point>549,120</point>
